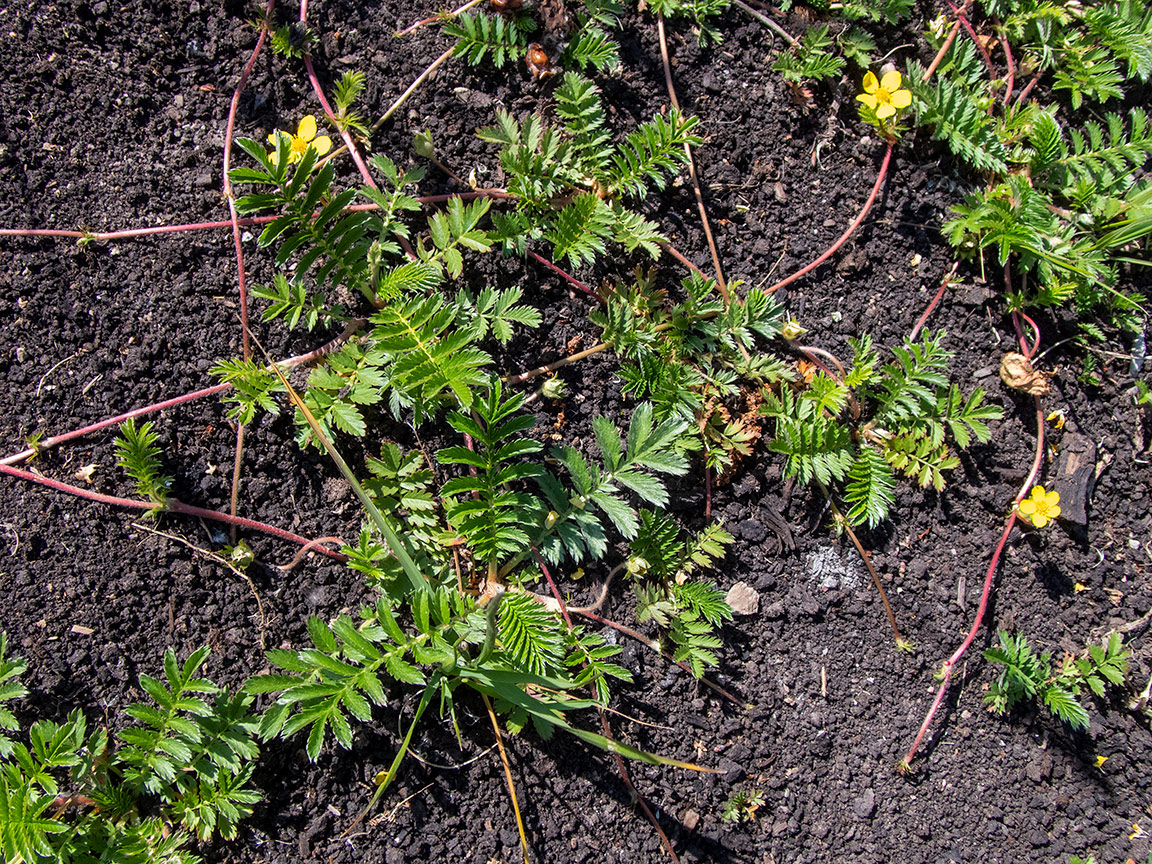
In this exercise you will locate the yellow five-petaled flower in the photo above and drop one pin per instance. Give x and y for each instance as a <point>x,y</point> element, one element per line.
<point>1040,507</point>
<point>884,96</point>
<point>304,138</point>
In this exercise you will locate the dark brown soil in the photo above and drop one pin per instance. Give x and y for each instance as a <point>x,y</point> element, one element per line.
<point>113,117</point>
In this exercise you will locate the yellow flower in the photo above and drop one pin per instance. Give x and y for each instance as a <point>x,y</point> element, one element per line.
<point>885,96</point>
<point>304,138</point>
<point>1041,507</point>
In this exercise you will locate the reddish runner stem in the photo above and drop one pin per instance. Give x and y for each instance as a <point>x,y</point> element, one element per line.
<point>1029,352</point>
<point>679,256</point>
<point>951,662</point>
<point>636,796</point>
<point>571,280</point>
<point>655,646</point>
<point>1027,89</point>
<point>931,70</point>
<point>227,182</point>
<point>173,506</point>
<point>552,586</point>
<point>1011,70</point>
<point>848,233</point>
<point>48,443</point>
<point>923,319</point>
<point>455,13</point>
<point>233,216</point>
<point>248,221</point>
<point>111,421</point>
<point>963,19</point>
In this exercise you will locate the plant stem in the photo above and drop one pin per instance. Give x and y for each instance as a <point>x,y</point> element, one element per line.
<point>552,585</point>
<point>720,283</point>
<point>237,466</point>
<point>963,19</point>
<point>403,97</point>
<point>812,352</point>
<point>349,145</point>
<point>559,364</point>
<point>848,233</point>
<point>636,796</point>
<point>951,662</point>
<point>345,135</point>
<point>1011,69</point>
<point>923,319</point>
<point>1027,89</point>
<point>768,22</point>
<point>171,506</point>
<point>1028,352</point>
<point>655,646</point>
<point>843,522</point>
<point>105,236</point>
<point>233,215</point>
<point>227,184</point>
<point>443,16</point>
<point>571,280</point>
<point>679,256</point>
<point>48,443</point>
<point>508,777</point>
<point>930,71</point>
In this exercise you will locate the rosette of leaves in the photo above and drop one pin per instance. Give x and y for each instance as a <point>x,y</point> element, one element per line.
<point>687,610</point>
<point>567,180</point>
<point>1062,195</point>
<point>1026,675</point>
<point>699,359</point>
<point>181,774</point>
<point>875,422</point>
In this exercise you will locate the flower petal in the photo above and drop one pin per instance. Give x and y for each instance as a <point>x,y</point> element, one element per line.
<point>307,128</point>
<point>890,81</point>
<point>1053,512</point>
<point>901,99</point>
<point>868,99</point>
<point>885,110</point>
<point>1039,520</point>
<point>1052,498</point>
<point>272,138</point>
<point>871,85</point>
<point>322,144</point>
<point>1027,507</point>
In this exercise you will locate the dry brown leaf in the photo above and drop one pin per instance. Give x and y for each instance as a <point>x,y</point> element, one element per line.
<point>1016,371</point>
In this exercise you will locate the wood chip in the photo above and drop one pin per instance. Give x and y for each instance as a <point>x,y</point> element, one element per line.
<point>1075,475</point>
<point>83,631</point>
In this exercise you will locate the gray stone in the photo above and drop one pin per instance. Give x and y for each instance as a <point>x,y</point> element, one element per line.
<point>743,599</point>
<point>865,805</point>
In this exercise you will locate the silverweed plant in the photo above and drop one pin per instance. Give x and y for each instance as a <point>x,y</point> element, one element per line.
<point>1026,675</point>
<point>1063,203</point>
<point>177,776</point>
